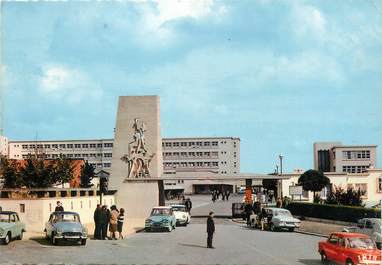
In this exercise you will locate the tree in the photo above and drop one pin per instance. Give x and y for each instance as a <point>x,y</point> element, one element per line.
<point>63,171</point>
<point>270,184</point>
<point>87,175</point>
<point>8,171</point>
<point>313,180</point>
<point>349,197</point>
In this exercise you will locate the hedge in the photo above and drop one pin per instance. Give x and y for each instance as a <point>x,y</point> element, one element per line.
<point>332,212</point>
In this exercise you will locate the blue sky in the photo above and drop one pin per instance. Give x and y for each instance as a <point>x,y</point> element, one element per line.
<point>278,74</point>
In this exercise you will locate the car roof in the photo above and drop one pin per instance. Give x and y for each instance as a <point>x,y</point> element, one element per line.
<point>7,212</point>
<point>64,212</point>
<point>162,207</point>
<point>178,205</point>
<point>346,234</point>
<point>276,209</point>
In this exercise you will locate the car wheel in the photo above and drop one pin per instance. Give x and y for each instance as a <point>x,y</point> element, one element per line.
<point>324,258</point>
<point>83,242</point>
<point>349,262</point>
<point>147,229</point>
<point>7,238</point>
<point>291,229</point>
<point>186,223</point>
<point>272,227</point>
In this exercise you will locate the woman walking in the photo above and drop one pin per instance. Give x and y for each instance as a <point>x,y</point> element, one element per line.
<point>121,219</point>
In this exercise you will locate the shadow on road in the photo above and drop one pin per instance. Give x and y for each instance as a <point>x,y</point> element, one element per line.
<point>46,242</point>
<point>191,245</point>
<point>310,261</point>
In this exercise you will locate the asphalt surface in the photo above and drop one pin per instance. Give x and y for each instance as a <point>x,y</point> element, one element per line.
<point>235,244</point>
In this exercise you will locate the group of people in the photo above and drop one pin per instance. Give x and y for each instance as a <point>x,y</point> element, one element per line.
<point>257,207</point>
<point>216,195</point>
<point>111,219</point>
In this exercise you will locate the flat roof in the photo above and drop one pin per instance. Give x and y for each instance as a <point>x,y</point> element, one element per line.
<point>200,138</point>
<point>53,141</point>
<point>353,146</point>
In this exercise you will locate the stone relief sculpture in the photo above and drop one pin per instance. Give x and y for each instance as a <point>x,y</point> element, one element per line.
<point>138,158</point>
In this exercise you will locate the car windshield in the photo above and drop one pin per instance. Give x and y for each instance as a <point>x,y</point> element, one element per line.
<point>4,218</point>
<point>179,208</point>
<point>360,243</point>
<point>282,213</point>
<point>66,218</point>
<point>160,212</point>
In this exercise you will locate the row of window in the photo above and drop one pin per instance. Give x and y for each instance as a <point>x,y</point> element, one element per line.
<point>354,169</point>
<point>108,155</point>
<point>190,154</point>
<point>100,164</point>
<point>65,146</point>
<point>190,164</point>
<point>190,144</point>
<point>352,155</point>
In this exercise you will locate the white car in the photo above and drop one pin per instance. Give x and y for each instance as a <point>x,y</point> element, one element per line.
<point>368,226</point>
<point>182,216</point>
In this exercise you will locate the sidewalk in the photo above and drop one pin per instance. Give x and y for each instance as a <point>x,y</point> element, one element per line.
<point>319,228</point>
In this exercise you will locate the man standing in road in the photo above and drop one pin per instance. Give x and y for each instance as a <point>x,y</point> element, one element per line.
<point>97,222</point>
<point>188,205</point>
<point>210,229</point>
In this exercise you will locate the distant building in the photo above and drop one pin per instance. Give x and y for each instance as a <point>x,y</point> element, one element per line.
<point>3,145</point>
<point>336,157</point>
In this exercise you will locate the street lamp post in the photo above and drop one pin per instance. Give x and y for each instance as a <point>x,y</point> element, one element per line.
<point>279,190</point>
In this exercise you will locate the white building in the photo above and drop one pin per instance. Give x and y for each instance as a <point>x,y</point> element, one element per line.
<point>369,182</point>
<point>3,145</point>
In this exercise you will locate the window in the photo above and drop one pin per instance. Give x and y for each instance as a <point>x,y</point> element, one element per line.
<point>54,155</point>
<point>99,145</point>
<point>39,146</point>
<point>333,240</point>
<point>69,155</point>
<point>62,146</point>
<point>22,208</point>
<point>99,155</point>
<point>24,146</point>
<point>379,184</point>
<point>107,164</point>
<point>93,155</point>
<point>214,143</point>
<point>32,146</point>
<point>92,145</point>
<point>85,155</point>
<point>108,144</point>
<point>77,146</point>
<point>207,143</point>
<point>85,146</point>
<point>107,154</point>
<point>69,146</point>
<point>183,144</point>
<point>176,144</point>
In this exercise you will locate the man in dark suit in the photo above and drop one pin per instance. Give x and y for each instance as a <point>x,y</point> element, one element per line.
<point>210,229</point>
<point>59,207</point>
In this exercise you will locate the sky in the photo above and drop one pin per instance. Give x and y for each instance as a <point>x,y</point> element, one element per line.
<point>280,75</point>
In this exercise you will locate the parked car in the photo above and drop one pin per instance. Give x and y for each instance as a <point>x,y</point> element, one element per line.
<point>10,227</point>
<point>279,218</point>
<point>349,249</point>
<point>65,226</point>
<point>368,226</point>
<point>161,218</point>
<point>181,215</point>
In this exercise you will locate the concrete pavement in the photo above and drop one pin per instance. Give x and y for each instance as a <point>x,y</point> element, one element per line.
<point>235,244</point>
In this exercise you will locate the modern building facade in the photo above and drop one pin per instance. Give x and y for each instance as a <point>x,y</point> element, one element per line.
<point>336,157</point>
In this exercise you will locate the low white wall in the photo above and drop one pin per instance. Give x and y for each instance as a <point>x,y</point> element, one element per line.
<point>37,211</point>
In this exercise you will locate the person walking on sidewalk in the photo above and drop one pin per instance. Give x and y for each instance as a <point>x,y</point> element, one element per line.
<point>210,229</point>
<point>113,222</point>
<point>188,205</point>
<point>121,220</point>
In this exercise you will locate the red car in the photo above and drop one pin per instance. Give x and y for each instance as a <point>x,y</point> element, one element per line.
<point>349,249</point>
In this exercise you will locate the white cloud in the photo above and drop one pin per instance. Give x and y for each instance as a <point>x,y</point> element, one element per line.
<point>308,20</point>
<point>71,85</point>
<point>170,9</point>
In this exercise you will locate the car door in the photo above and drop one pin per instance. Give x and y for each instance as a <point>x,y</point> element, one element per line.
<point>332,247</point>
<point>48,225</point>
<point>13,228</point>
<point>18,225</point>
<point>341,251</point>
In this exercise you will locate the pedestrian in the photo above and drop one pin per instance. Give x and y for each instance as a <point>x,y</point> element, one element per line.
<point>227,193</point>
<point>263,218</point>
<point>188,204</point>
<point>103,222</point>
<point>248,211</point>
<point>279,203</point>
<point>113,222</point>
<point>59,207</point>
<point>121,220</point>
<point>213,196</point>
<point>218,194</point>
<point>210,229</point>
<point>97,222</point>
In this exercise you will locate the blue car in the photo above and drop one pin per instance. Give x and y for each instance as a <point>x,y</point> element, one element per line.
<point>161,218</point>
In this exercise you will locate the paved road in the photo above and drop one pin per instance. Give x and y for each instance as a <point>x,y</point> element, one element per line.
<point>234,243</point>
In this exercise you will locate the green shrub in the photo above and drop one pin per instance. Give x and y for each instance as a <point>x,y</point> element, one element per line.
<point>332,212</point>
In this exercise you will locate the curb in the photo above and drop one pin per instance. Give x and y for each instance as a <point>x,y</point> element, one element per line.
<point>310,233</point>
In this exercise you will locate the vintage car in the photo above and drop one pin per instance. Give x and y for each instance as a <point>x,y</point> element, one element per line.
<point>181,215</point>
<point>368,226</point>
<point>65,226</point>
<point>161,218</point>
<point>279,218</point>
<point>349,249</point>
<point>10,227</point>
